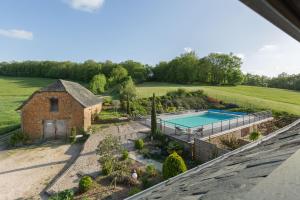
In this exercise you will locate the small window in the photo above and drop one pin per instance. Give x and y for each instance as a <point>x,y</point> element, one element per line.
<point>53,105</point>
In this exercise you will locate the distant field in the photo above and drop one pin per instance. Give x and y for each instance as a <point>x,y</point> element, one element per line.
<point>250,96</point>
<point>13,91</point>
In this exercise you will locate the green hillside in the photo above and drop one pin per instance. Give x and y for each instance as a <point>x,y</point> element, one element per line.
<point>13,91</point>
<point>250,96</point>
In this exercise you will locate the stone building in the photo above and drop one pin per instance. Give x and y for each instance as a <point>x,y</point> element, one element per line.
<point>53,111</point>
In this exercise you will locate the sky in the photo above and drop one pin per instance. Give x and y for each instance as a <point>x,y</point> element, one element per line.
<point>147,31</point>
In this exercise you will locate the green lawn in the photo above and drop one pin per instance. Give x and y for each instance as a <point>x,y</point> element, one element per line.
<point>267,98</point>
<point>13,91</point>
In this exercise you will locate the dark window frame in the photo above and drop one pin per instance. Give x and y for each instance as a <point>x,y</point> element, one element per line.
<point>54,104</point>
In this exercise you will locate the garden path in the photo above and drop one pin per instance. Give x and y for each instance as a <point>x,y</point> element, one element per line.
<point>87,162</point>
<point>140,158</point>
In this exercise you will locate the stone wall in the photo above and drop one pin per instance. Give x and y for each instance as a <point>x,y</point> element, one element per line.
<point>215,139</point>
<point>205,151</point>
<point>37,109</point>
<point>88,113</point>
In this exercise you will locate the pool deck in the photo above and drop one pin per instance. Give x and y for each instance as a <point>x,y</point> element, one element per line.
<point>208,130</point>
<point>189,138</point>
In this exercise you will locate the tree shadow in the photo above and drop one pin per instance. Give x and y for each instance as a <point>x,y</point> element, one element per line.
<point>29,82</point>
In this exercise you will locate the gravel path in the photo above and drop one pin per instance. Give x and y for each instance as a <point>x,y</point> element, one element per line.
<point>140,158</point>
<point>25,172</point>
<point>87,162</point>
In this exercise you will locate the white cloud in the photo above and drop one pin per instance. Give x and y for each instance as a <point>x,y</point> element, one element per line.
<point>86,5</point>
<point>18,34</point>
<point>268,48</point>
<point>187,49</point>
<point>273,59</point>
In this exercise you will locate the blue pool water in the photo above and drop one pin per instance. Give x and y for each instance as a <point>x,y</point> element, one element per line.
<point>201,119</point>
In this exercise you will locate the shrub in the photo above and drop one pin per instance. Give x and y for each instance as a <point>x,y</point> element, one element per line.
<point>139,144</point>
<point>64,195</point>
<point>129,181</point>
<point>151,171</point>
<point>125,155</point>
<point>173,166</point>
<point>145,152</point>
<point>145,182</point>
<point>213,100</point>
<point>73,135</point>
<point>18,138</point>
<point>175,146</point>
<point>107,167</point>
<point>107,100</point>
<point>231,106</point>
<point>85,183</point>
<point>133,191</point>
<point>230,142</point>
<point>254,135</point>
<point>171,109</point>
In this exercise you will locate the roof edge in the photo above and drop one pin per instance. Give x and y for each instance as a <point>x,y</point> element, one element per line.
<point>278,18</point>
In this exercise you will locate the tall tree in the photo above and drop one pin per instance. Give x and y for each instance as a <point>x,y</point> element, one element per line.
<point>153,117</point>
<point>98,83</point>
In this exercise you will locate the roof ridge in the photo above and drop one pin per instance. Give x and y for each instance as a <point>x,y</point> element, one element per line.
<point>62,82</point>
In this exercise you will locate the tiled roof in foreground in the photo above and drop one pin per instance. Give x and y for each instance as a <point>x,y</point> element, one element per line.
<point>233,175</point>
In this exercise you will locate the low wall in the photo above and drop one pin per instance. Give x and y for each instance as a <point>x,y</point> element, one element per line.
<point>205,151</point>
<point>187,147</point>
<point>237,133</point>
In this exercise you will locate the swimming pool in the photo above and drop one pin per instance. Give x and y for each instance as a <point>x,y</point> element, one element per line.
<point>197,120</point>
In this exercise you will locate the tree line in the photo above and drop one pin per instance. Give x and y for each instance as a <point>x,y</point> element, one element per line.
<point>73,71</point>
<point>188,68</point>
<point>283,81</point>
<point>216,69</point>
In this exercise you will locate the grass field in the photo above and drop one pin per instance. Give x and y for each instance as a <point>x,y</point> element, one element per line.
<point>249,96</point>
<point>13,91</point>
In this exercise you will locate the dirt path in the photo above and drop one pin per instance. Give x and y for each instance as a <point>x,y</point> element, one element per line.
<point>25,172</point>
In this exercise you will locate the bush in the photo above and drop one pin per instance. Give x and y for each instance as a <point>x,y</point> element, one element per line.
<point>151,171</point>
<point>107,100</point>
<point>64,195</point>
<point>107,167</point>
<point>175,146</point>
<point>145,182</point>
<point>173,166</point>
<point>231,142</point>
<point>125,155</point>
<point>139,144</point>
<point>85,183</point>
<point>18,138</point>
<point>133,191</point>
<point>73,135</point>
<point>171,109</point>
<point>146,153</point>
<point>254,135</point>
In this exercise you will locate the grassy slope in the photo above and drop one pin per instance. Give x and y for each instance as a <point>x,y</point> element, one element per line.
<point>267,98</point>
<point>13,91</point>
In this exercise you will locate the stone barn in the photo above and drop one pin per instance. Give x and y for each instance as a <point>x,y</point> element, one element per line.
<point>53,111</point>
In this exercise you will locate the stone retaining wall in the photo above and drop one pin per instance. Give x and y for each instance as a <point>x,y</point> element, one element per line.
<point>205,151</point>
